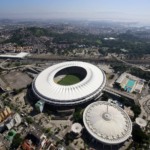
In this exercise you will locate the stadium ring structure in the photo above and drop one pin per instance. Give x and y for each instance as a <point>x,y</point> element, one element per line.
<point>108,123</point>
<point>92,82</point>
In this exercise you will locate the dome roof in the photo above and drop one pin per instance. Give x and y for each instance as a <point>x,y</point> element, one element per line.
<point>141,122</point>
<point>76,127</point>
<point>107,122</point>
<point>47,89</point>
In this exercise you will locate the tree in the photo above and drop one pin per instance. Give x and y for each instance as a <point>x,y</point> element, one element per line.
<point>16,141</point>
<point>138,135</point>
<point>29,120</point>
<point>77,116</point>
<point>136,109</point>
<point>149,84</point>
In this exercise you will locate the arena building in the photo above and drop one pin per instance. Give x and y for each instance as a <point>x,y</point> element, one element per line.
<point>108,123</point>
<point>69,83</point>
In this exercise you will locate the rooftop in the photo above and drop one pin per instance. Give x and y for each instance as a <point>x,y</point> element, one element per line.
<point>107,122</point>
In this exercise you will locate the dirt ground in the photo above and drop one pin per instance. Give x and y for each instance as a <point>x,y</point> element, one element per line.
<point>16,79</point>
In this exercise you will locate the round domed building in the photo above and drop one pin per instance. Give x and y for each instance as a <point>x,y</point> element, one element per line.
<point>69,83</point>
<point>107,123</point>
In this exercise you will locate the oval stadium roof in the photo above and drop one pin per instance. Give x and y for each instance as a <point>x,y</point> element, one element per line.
<point>46,89</point>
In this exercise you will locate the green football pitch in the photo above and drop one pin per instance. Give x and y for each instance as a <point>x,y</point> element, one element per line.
<point>69,80</point>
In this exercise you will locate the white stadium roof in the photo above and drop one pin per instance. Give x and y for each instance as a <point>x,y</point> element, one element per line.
<point>91,86</point>
<point>107,122</point>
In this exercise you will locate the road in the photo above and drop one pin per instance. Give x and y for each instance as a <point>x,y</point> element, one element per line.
<point>12,68</point>
<point>120,93</point>
<point>89,58</point>
<point>145,107</point>
<point>132,65</point>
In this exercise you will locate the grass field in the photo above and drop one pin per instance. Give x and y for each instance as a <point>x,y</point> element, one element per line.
<point>69,80</point>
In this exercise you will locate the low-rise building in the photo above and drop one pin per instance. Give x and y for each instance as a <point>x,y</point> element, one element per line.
<point>8,119</point>
<point>14,121</point>
<point>31,142</point>
<point>20,55</point>
<point>5,115</point>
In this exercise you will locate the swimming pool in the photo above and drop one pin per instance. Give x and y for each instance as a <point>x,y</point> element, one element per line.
<point>129,85</point>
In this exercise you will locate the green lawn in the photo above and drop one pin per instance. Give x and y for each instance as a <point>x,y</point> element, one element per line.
<point>69,80</point>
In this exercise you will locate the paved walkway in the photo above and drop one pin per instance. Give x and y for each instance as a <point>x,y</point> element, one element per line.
<point>117,92</point>
<point>145,109</point>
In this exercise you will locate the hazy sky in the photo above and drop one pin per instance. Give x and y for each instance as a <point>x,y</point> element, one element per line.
<point>128,10</point>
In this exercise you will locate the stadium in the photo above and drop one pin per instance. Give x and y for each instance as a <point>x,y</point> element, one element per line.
<point>69,83</point>
<point>107,122</point>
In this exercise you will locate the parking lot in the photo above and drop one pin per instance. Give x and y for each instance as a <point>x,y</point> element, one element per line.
<point>16,79</point>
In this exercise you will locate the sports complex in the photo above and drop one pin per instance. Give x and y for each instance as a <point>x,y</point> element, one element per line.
<point>69,83</point>
<point>130,83</point>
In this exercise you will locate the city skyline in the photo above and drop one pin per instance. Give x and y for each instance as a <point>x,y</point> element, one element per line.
<point>135,10</point>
